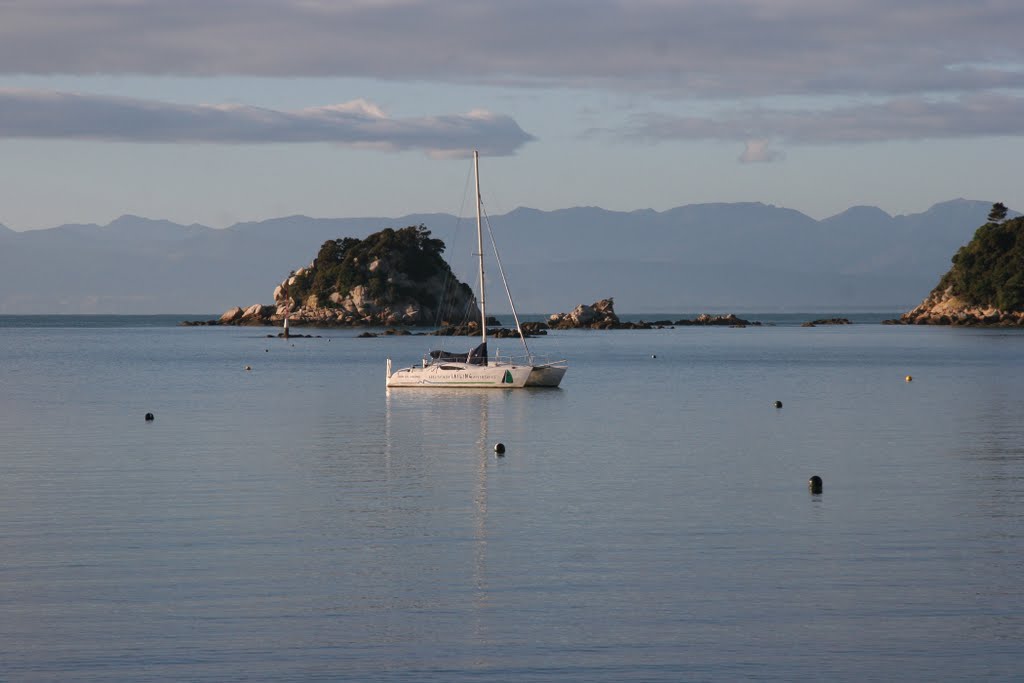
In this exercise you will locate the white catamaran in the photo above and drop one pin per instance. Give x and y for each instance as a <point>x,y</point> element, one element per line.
<point>475,368</point>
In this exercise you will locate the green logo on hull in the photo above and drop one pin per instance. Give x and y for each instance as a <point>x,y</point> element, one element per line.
<point>508,377</point>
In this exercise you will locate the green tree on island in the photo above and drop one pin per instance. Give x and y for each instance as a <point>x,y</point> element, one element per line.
<point>989,270</point>
<point>998,213</point>
<point>392,266</point>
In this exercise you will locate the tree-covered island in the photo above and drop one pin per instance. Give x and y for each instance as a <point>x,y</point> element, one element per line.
<point>985,285</point>
<point>392,277</point>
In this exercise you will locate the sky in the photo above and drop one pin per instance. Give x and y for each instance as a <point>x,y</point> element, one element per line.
<point>219,111</point>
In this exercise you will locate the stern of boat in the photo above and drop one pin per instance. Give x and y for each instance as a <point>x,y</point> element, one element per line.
<point>546,376</point>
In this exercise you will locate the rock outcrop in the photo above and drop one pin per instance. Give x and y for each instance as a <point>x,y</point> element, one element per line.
<point>827,321</point>
<point>943,307</point>
<point>601,316</point>
<point>727,320</point>
<point>985,286</point>
<point>598,316</point>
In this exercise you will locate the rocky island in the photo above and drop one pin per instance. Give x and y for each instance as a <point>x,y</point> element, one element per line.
<point>392,277</point>
<point>985,286</point>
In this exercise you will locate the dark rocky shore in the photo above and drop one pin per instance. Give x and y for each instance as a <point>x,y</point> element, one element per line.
<point>597,316</point>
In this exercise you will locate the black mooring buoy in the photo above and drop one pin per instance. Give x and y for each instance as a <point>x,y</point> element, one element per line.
<point>149,417</point>
<point>499,448</point>
<point>778,404</point>
<point>814,484</point>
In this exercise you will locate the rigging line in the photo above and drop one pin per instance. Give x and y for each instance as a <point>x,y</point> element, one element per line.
<point>501,271</point>
<point>450,278</point>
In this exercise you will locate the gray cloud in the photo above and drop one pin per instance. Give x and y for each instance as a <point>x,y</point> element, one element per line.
<point>35,114</point>
<point>685,48</point>
<point>905,118</point>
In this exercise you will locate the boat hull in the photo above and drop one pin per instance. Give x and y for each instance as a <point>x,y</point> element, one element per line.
<point>461,375</point>
<point>546,376</point>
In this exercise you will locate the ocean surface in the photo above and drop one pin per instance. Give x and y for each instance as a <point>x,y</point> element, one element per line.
<point>650,520</point>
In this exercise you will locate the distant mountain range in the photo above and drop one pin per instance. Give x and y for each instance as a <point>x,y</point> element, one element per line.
<point>701,257</point>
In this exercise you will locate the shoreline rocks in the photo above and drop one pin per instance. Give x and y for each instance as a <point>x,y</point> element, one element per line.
<point>945,308</point>
<point>598,316</point>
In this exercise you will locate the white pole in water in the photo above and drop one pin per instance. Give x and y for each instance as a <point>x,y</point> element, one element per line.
<point>480,249</point>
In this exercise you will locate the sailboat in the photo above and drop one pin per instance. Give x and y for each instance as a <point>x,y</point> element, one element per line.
<point>475,369</point>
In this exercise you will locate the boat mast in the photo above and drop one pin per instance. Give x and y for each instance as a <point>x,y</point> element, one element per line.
<point>480,249</point>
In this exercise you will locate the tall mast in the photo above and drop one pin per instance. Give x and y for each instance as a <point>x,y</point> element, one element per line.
<point>480,250</point>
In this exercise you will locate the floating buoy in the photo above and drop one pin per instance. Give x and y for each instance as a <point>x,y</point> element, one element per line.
<point>814,484</point>
<point>778,404</point>
<point>653,355</point>
<point>149,417</point>
<point>909,378</point>
<point>499,448</point>
<point>248,368</point>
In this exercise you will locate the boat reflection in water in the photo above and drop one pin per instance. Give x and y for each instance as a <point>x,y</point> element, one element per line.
<point>419,435</point>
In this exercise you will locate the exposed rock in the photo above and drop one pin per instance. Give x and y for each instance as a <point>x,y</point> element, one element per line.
<point>728,320</point>
<point>946,308</point>
<point>533,329</point>
<point>257,314</point>
<point>827,321</point>
<point>601,316</point>
<point>598,316</point>
<point>231,315</point>
<point>504,333</point>
<point>472,329</point>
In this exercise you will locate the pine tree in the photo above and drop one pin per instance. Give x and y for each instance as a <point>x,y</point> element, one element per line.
<point>998,213</point>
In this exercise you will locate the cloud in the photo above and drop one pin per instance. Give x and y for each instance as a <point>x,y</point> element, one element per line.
<point>684,48</point>
<point>758,151</point>
<point>37,114</point>
<point>904,118</point>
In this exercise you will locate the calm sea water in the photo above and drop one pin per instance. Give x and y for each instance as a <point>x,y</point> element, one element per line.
<point>649,522</point>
